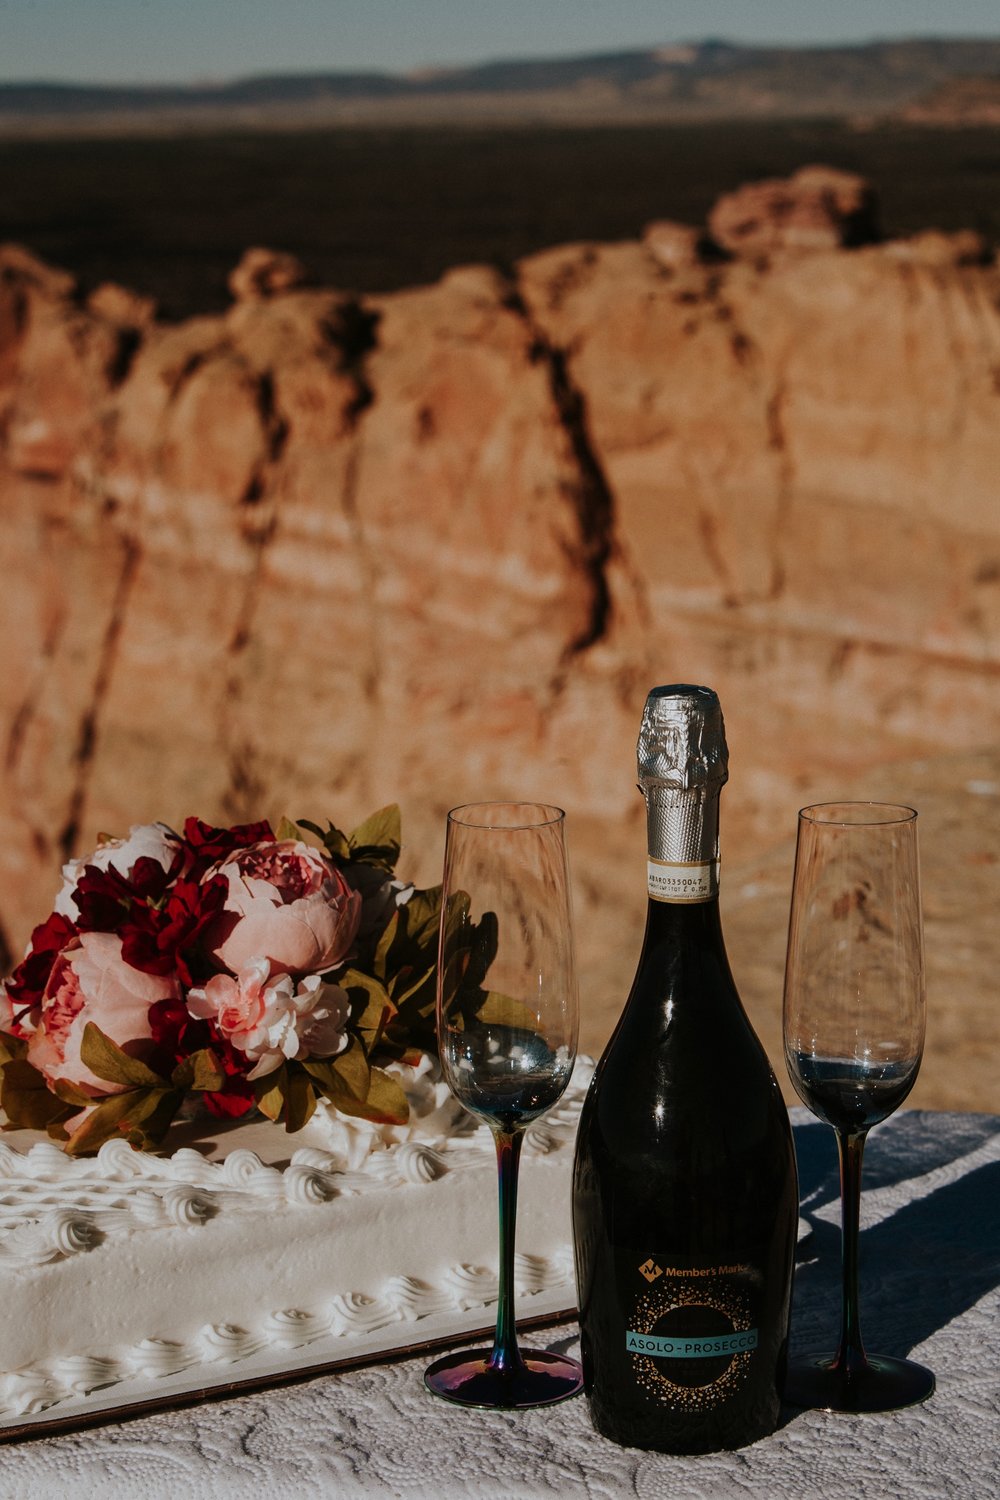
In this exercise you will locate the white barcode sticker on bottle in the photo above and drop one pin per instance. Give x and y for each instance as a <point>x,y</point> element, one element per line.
<point>682,882</point>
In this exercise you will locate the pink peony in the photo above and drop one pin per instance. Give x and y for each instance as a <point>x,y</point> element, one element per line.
<point>90,981</point>
<point>274,1018</point>
<point>287,904</point>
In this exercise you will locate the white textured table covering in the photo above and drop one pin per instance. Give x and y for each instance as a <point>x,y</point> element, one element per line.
<point>930,1278</point>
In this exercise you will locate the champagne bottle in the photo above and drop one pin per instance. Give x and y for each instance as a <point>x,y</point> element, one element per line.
<point>685,1199</point>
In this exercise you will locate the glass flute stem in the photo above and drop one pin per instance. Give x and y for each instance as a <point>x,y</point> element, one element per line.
<point>851,1360</point>
<point>506,1357</point>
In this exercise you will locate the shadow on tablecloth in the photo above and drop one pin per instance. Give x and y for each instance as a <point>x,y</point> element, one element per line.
<point>934,1251</point>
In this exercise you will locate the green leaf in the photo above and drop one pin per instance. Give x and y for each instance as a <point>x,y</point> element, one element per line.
<point>345,1079</point>
<point>416,1036</point>
<point>382,828</point>
<point>457,932</point>
<point>70,1094</point>
<point>27,1101</point>
<point>380,963</point>
<point>201,1073</point>
<point>482,949</point>
<point>99,1126</point>
<point>118,1115</point>
<point>371,1006</point>
<point>270,1092</point>
<point>300,1099</point>
<point>352,1070</point>
<point>379,839</point>
<point>287,830</point>
<point>11,1047</point>
<point>451,978</point>
<point>105,1058</point>
<point>333,840</point>
<point>385,1102</point>
<point>410,1056</point>
<point>422,914</point>
<point>321,1072</point>
<point>503,1010</point>
<point>410,938</point>
<point>415,1021</point>
<point>150,1116</point>
<point>405,987</point>
<point>386,1099</point>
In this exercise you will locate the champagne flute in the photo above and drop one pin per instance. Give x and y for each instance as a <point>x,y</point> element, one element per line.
<point>854,1016</point>
<point>507,1022</point>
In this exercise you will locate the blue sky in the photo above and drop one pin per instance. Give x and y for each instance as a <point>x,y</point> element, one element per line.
<point>186,40</point>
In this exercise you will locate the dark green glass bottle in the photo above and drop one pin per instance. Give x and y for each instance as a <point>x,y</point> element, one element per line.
<point>685,1199</point>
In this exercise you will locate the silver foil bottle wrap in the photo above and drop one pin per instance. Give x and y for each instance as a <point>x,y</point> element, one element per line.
<point>682,763</point>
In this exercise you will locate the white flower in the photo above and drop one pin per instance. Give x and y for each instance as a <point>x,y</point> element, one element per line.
<point>145,841</point>
<point>274,1019</point>
<point>307,1018</point>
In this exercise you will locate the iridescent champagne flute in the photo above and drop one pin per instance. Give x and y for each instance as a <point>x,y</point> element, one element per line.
<point>507,1021</point>
<point>854,1018</point>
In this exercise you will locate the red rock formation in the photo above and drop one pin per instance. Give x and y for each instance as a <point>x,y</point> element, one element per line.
<point>321,553</point>
<point>817,208</point>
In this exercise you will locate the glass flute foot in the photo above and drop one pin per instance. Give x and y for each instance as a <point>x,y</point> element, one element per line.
<point>471,1379</point>
<point>882,1384</point>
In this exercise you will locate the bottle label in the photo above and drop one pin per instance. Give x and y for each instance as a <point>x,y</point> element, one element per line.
<point>682,882</point>
<point>691,1333</point>
<point>690,1348</point>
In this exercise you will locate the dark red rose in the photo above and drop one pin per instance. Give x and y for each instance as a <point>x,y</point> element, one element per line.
<point>103,898</point>
<point>178,1035</point>
<point>150,881</point>
<point>52,935</point>
<point>176,1032</point>
<point>106,899</point>
<point>236,1096</point>
<point>26,985</point>
<point>160,940</point>
<point>208,845</point>
<point>236,1099</point>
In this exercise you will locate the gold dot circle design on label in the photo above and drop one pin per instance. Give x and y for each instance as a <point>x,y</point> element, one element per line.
<point>724,1298</point>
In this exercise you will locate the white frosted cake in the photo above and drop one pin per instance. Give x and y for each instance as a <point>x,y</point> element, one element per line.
<point>249,1251</point>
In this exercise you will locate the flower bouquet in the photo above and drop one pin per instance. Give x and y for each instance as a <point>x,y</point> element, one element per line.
<point>245,967</point>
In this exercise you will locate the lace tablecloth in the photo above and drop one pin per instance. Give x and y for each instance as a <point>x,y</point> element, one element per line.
<point>930,1277</point>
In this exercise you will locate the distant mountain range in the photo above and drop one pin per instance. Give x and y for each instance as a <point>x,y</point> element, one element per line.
<point>701,81</point>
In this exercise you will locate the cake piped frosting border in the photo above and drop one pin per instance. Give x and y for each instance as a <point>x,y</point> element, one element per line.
<point>28,1391</point>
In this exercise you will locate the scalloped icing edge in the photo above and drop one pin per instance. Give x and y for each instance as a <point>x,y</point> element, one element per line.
<point>466,1289</point>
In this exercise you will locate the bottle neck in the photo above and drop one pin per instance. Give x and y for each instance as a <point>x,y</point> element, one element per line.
<point>691,923</point>
<point>682,841</point>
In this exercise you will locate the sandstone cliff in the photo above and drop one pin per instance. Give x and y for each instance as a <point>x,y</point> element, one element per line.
<point>325,552</point>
